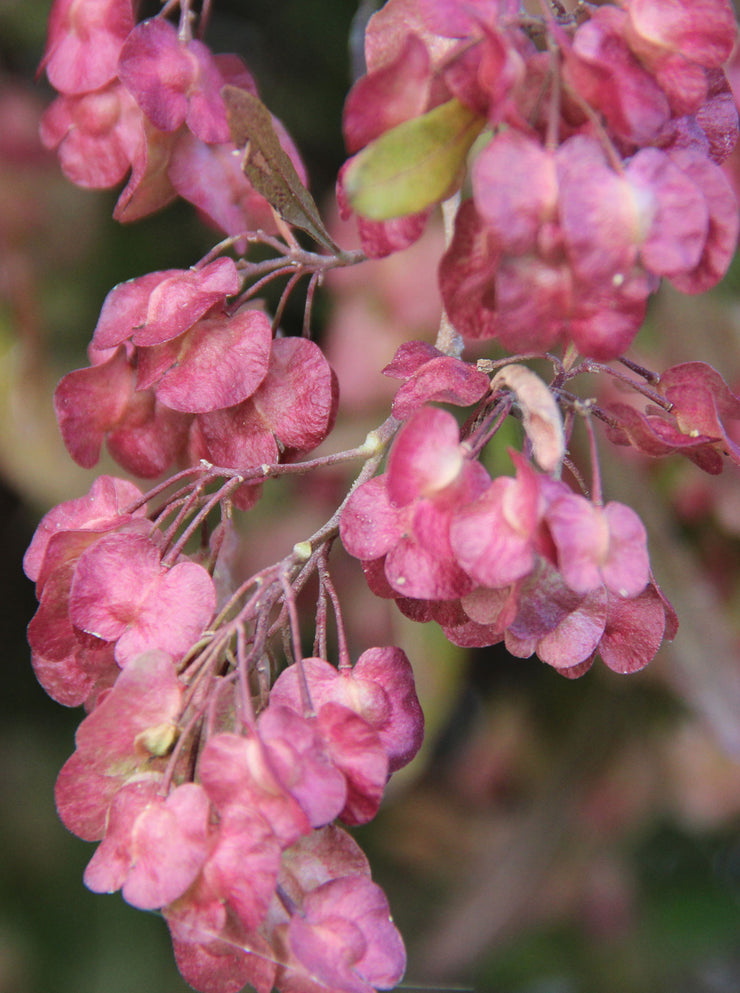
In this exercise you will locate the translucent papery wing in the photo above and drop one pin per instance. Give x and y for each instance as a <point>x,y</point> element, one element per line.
<point>277,968</point>
<point>216,961</point>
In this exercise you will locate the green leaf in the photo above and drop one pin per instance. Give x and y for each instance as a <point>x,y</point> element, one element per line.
<point>414,165</point>
<point>268,166</point>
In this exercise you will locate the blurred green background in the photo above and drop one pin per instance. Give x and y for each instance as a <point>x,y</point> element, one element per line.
<point>553,837</point>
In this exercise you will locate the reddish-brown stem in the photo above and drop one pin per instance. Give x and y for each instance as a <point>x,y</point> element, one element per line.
<point>483,433</point>
<point>320,633</point>
<point>342,650</point>
<point>491,365</point>
<point>590,366</point>
<point>222,494</point>
<point>295,633</point>
<point>185,510</point>
<point>596,495</point>
<point>576,474</point>
<point>194,666</point>
<point>640,370</point>
<point>255,288</point>
<point>262,581</point>
<point>281,581</point>
<point>295,628</point>
<point>162,487</point>
<point>249,719</point>
<point>167,8</point>
<point>185,734</point>
<point>285,296</point>
<point>221,247</point>
<point>172,507</point>
<point>185,27</point>
<point>205,16</point>
<point>314,282</point>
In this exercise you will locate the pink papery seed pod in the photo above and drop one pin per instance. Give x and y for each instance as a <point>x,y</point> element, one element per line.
<point>488,68</point>
<point>313,861</point>
<point>466,279</point>
<point>149,187</point>
<point>300,759</point>
<point>635,629</point>
<point>395,92</point>
<point>298,397</point>
<point>601,67</point>
<point>236,772</point>
<point>357,751</point>
<point>121,592</point>
<point>655,433</point>
<point>154,846</point>
<point>291,412</point>
<point>213,924</point>
<point>431,377</point>
<point>318,857</point>
<point>578,280</point>
<point>352,745</point>
<point>83,43</point>
<point>344,937</point>
<point>452,20</point>
<point>467,633</point>
<point>174,83</point>
<point>124,738</point>
<point>599,545</point>
<point>98,135</point>
<point>401,729</point>
<point>723,222</point>
<point>409,357</point>
<point>211,175</point>
<point>102,509</point>
<point>70,664</point>
<point>513,212</point>
<point>426,459</point>
<point>239,875</point>
<point>67,663</point>
<point>217,363</point>
<point>212,179</point>
<point>714,129</point>
<point>600,219</point>
<point>498,537</point>
<point>160,306</point>
<point>490,75</point>
<point>679,42</point>
<point>420,54</point>
<point>703,405</point>
<point>561,626</point>
<point>399,86</point>
<point>703,32</point>
<point>379,688</point>
<point>405,515</point>
<point>674,215</point>
<point>137,719</point>
<point>371,525</point>
<point>101,403</point>
<point>483,616</point>
<point>219,957</point>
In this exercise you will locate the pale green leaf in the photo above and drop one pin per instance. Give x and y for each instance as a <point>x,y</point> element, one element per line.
<point>414,165</point>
